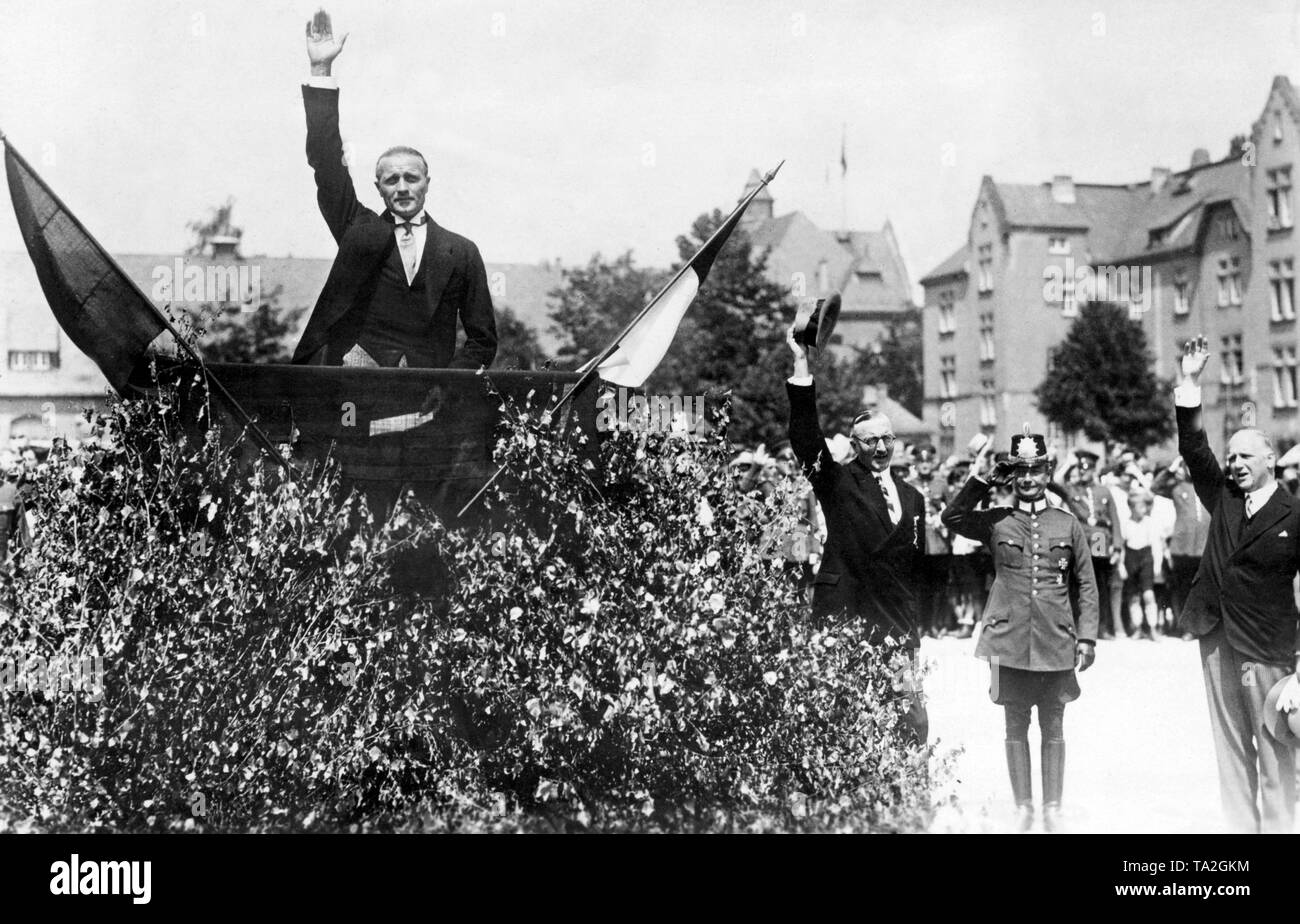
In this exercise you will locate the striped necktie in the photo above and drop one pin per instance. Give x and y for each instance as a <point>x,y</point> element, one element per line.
<point>894,512</point>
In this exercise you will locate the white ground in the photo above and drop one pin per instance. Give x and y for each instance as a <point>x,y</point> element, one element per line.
<point>1139,757</point>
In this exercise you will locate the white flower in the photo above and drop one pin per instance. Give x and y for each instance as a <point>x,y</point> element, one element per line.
<point>769,678</point>
<point>717,602</point>
<point>704,513</point>
<point>516,612</point>
<point>590,606</point>
<point>712,558</point>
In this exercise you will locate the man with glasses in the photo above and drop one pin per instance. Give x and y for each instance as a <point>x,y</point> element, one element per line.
<point>875,527</point>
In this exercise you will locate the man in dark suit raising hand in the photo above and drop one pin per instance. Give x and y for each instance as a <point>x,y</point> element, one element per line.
<point>400,284</point>
<point>1242,610</point>
<point>875,527</point>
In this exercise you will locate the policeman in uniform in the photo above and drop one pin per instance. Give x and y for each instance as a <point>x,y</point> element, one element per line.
<point>1094,505</point>
<point>1030,635</point>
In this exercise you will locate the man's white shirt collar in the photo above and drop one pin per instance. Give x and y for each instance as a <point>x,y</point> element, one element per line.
<point>1037,506</point>
<point>1261,497</point>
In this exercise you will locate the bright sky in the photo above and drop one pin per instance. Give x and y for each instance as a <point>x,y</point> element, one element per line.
<point>562,128</point>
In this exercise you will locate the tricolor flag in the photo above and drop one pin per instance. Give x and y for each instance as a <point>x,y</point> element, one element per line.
<point>641,346</point>
<point>100,308</point>
<point>844,151</point>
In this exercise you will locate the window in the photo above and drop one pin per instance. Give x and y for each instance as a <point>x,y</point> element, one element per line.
<point>1281,287</point>
<point>1231,368</point>
<point>1229,228</point>
<point>948,376</point>
<point>33,360</point>
<point>1058,245</point>
<point>1284,377</point>
<point>1277,126</point>
<point>1229,281</point>
<point>1279,198</point>
<point>984,213</point>
<point>988,404</point>
<point>823,278</point>
<point>1182,301</point>
<point>986,338</point>
<point>947,313</point>
<point>986,268</point>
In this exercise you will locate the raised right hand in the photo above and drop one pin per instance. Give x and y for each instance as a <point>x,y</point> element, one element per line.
<point>322,48</point>
<point>1196,353</point>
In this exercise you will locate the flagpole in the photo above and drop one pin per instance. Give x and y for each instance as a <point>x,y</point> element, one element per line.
<point>844,174</point>
<point>258,434</point>
<point>591,367</point>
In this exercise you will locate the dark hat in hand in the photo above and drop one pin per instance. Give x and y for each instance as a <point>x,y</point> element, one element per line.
<point>813,325</point>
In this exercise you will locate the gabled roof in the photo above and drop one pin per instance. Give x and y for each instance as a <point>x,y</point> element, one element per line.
<point>956,265</point>
<point>1119,221</point>
<point>1177,211</point>
<point>1286,92</point>
<point>1032,205</point>
<point>866,267</point>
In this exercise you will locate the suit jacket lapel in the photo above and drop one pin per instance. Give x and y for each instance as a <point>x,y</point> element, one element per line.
<point>436,263</point>
<point>1268,516</point>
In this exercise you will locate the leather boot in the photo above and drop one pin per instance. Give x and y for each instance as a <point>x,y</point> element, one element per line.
<point>1021,770</point>
<point>1053,754</point>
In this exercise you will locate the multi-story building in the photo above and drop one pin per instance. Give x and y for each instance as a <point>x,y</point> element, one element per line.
<point>1207,249</point>
<point>865,267</point>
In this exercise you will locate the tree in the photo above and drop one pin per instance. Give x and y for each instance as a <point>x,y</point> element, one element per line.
<point>1101,381</point>
<point>517,346</point>
<point>897,362</point>
<point>732,339</point>
<point>257,336</point>
<point>596,302</point>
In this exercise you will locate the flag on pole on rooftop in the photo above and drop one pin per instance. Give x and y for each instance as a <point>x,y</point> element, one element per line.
<point>641,346</point>
<point>100,308</point>
<point>844,150</point>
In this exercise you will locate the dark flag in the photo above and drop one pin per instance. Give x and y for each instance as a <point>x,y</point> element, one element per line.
<point>96,304</point>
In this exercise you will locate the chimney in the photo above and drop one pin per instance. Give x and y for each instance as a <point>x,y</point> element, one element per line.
<point>761,208</point>
<point>1063,189</point>
<point>872,395</point>
<point>224,247</point>
<point>1200,157</point>
<point>1159,177</point>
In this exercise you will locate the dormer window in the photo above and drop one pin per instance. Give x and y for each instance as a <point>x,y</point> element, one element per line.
<point>1058,245</point>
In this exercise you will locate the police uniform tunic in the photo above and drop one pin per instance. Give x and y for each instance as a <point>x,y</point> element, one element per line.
<point>1029,626</point>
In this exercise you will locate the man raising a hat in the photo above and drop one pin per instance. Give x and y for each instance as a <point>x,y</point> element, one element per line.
<point>875,526</point>
<point>1030,636</point>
